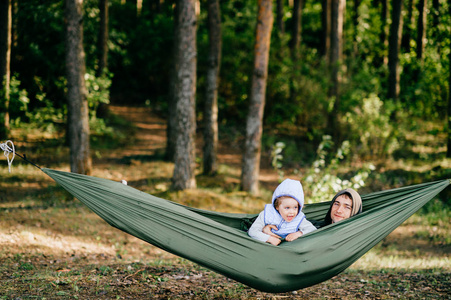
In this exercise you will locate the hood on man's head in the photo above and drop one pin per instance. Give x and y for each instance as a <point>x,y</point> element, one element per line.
<point>291,188</point>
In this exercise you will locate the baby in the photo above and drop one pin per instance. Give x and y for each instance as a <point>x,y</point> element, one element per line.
<point>283,219</point>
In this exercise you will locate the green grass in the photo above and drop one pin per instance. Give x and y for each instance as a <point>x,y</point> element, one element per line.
<point>53,247</point>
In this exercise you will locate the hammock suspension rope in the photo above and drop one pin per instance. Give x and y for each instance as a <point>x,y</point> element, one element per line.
<point>9,152</point>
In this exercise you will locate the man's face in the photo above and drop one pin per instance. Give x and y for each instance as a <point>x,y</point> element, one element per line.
<point>288,208</point>
<point>341,208</point>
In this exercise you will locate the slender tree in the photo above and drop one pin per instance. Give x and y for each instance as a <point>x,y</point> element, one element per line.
<point>296,31</point>
<point>448,153</point>
<point>103,38</point>
<point>279,16</point>
<point>77,104</point>
<point>381,57</point>
<point>102,49</point>
<point>296,28</point>
<point>335,62</point>
<point>212,81</point>
<point>408,25</point>
<point>435,17</point>
<point>254,126</point>
<point>326,21</point>
<point>421,28</point>
<point>184,156</point>
<point>393,50</point>
<point>355,23</point>
<point>171,133</point>
<point>5,63</point>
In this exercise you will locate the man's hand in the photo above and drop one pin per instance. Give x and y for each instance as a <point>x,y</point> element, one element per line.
<point>292,236</point>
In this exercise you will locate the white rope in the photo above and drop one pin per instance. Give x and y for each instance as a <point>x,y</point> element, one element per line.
<point>9,152</point>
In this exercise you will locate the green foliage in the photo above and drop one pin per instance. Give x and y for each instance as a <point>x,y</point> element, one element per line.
<point>38,49</point>
<point>276,158</point>
<point>98,89</point>
<point>425,85</point>
<point>297,101</point>
<point>323,178</point>
<point>435,212</point>
<point>18,99</point>
<point>370,131</point>
<point>238,23</point>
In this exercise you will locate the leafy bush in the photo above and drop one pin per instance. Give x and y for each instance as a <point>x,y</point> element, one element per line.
<point>276,158</point>
<point>323,178</point>
<point>18,99</point>
<point>98,89</point>
<point>370,131</point>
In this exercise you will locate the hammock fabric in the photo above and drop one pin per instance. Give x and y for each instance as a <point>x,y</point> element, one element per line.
<point>216,240</point>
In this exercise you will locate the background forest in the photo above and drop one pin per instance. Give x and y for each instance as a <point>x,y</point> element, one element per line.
<point>355,93</point>
<point>374,104</point>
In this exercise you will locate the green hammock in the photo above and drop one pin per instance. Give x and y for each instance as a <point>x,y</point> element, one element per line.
<point>217,241</point>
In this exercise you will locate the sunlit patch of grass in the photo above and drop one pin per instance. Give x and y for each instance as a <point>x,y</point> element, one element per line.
<point>376,259</point>
<point>401,249</point>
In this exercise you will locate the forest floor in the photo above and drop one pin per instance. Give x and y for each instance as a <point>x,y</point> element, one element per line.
<point>53,247</point>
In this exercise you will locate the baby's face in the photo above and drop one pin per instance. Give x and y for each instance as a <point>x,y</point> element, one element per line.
<point>288,208</point>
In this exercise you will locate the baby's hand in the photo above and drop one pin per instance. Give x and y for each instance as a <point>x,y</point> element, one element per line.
<point>292,236</point>
<point>273,240</point>
<point>267,230</point>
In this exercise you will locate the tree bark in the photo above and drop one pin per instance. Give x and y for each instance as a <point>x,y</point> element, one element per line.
<point>407,34</point>
<point>326,21</point>
<point>355,22</point>
<point>297,27</point>
<point>296,31</point>
<point>421,29</point>
<point>5,63</point>
<point>103,38</point>
<point>184,156</point>
<point>448,153</point>
<point>382,59</point>
<point>335,63</point>
<point>212,82</point>
<point>254,126</point>
<point>435,17</point>
<point>280,20</point>
<point>77,104</point>
<point>171,133</point>
<point>393,50</point>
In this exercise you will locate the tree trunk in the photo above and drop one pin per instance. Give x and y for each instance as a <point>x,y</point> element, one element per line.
<point>355,22</point>
<point>382,59</point>
<point>435,17</point>
<point>171,133</point>
<point>407,34</point>
<point>295,46</point>
<point>296,29</point>
<point>421,29</point>
<point>254,126</point>
<point>326,21</point>
<point>77,104</point>
<point>280,20</point>
<point>103,38</point>
<point>139,6</point>
<point>185,155</point>
<point>212,82</point>
<point>393,50</point>
<point>335,62</point>
<point>5,64</point>
<point>448,153</point>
